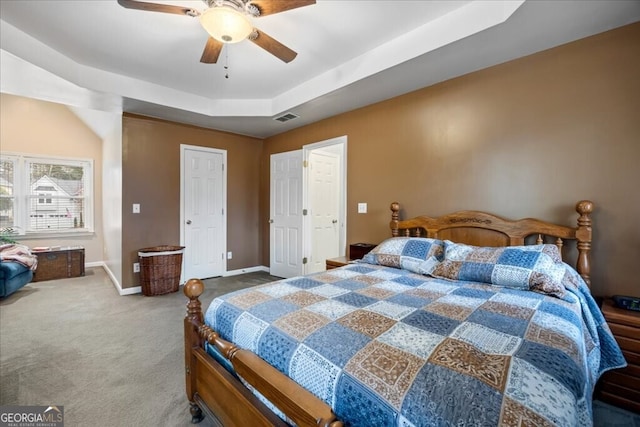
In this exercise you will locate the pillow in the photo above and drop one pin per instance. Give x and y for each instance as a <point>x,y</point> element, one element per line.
<point>535,267</point>
<point>416,254</point>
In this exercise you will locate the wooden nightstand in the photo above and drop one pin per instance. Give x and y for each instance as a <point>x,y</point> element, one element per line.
<point>621,387</point>
<point>337,262</point>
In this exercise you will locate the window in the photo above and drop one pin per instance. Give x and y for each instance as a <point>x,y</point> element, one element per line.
<point>41,195</point>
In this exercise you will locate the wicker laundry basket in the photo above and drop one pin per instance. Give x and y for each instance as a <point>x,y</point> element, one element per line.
<point>160,268</point>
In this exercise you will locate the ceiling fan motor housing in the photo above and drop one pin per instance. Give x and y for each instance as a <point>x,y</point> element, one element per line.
<point>242,6</point>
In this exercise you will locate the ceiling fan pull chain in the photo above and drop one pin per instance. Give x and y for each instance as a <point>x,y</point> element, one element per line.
<point>226,62</point>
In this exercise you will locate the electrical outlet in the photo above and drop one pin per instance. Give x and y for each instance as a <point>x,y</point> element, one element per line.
<point>136,208</point>
<point>229,255</point>
<point>136,267</point>
<point>362,208</point>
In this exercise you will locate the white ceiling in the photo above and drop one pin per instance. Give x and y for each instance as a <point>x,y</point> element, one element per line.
<point>351,53</point>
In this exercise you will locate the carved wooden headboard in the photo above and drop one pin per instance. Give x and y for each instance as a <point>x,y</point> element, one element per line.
<point>485,229</point>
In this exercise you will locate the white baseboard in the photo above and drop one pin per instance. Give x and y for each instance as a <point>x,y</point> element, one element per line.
<point>246,270</point>
<point>94,264</point>
<point>114,281</point>
<point>130,291</point>
<point>138,289</point>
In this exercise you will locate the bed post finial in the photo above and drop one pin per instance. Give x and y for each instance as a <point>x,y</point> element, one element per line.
<point>193,289</point>
<point>395,215</point>
<point>583,235</point>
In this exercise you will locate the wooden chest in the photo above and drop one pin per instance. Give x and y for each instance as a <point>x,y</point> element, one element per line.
<point>59,263</point>
<point>621,387</point>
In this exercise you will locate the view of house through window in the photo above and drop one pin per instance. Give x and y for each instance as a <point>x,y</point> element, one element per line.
<point>7,214</point>
<point>42,195</point>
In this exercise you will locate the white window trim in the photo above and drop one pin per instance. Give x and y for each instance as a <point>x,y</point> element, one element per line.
<point>22,194</point>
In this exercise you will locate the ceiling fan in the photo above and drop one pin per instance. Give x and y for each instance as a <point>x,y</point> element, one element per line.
<point>228,21</point>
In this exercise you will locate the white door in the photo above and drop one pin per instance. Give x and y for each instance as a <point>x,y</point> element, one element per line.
<point>203,218</point>
<point>324,208</point>
<point>286,214</point>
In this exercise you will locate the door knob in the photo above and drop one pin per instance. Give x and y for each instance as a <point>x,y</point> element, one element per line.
<point>334,221</point>
<point>270,221</point>
<point>188,221</point>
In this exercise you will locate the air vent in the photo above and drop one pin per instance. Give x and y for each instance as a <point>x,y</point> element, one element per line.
<point>286,117</point>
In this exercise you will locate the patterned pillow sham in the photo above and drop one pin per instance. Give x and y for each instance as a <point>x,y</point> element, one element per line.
<point>536,267</point>
<point>415,254</point>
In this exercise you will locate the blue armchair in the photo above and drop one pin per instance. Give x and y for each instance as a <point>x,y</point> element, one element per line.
<point>13,276</point>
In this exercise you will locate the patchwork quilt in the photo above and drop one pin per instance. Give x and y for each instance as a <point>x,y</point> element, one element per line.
<point>388,347</point>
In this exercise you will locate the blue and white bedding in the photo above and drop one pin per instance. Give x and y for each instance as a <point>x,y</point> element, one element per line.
<point>390,346</point>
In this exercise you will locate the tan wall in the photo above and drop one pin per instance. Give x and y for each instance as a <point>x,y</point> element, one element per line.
<point>529,137</point>
<point>151,177</point>
<point>43,128</point>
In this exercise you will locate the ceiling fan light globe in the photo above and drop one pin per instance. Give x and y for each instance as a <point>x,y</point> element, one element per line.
<point>225,24</point>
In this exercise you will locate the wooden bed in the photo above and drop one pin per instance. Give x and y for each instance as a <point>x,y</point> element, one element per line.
<point>212,389</point>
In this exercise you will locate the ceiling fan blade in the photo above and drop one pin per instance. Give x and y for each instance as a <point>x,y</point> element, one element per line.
<point>157,7</point>
<point>211,51</point>
<point>269,7</point>
<point>274,47</point>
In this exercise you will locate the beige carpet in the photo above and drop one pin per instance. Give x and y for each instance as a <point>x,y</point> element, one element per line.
<point>110,360</point>
<point>113,360</point>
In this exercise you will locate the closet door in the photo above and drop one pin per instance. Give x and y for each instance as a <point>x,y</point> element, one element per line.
<point>285,230</point>
<point>204,216</point>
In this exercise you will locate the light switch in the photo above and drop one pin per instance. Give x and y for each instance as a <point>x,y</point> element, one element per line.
<point>136,208</point>
<point>362,208</point>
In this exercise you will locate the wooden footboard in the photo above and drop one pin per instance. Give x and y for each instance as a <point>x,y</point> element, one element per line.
<point>209,384</point>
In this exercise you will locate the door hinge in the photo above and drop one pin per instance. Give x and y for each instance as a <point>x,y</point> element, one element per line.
<point>305,163</point>
<point>304,260</point>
